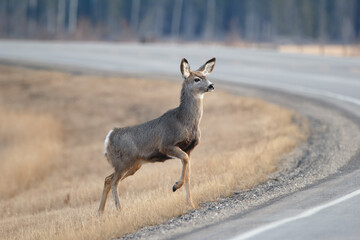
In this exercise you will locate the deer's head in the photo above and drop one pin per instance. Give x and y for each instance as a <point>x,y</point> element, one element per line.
<point>196,82</point>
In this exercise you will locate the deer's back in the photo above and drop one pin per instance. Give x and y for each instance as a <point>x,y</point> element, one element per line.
<point>146,141</point>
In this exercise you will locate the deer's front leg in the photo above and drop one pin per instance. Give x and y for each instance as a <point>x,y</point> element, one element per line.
<point>176,152</point>
<point>181,181</point>
<point>187,186</point>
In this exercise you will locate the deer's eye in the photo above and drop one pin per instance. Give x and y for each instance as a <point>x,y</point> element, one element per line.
<point>197,80</point>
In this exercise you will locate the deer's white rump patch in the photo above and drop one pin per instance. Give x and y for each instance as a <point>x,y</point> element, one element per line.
<point>106,142</point>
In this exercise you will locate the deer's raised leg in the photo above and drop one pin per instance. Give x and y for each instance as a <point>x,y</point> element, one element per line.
<point>180,154</point>
<point>181,181</point>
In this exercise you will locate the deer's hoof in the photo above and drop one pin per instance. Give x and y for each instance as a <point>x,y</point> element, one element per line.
<point>191,204</point>
<point>177,185</point>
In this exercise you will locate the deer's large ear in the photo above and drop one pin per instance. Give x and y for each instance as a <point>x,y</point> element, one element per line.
<point>207,67</point>
<point>185,68</point>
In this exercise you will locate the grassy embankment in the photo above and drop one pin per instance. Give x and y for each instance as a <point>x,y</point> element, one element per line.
<point>52,127</point>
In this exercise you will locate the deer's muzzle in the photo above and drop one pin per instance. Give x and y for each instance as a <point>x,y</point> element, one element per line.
<point>211,87</point>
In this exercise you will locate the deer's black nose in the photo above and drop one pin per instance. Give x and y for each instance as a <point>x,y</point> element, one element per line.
<point>211,87</point>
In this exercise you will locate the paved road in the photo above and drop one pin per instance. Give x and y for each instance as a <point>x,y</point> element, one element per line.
<point>328,211</point>
<point>337,78</point>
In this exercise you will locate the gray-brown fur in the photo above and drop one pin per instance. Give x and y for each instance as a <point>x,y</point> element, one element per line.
<point>173,135</point>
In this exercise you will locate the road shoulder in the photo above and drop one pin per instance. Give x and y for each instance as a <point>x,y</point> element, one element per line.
<point>331,150</point>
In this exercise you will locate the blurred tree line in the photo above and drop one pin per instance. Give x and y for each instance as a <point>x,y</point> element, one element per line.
<point>276,21</point>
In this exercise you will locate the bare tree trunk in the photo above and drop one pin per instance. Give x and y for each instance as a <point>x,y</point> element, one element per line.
<point>17,21</point>
<point>4,18</point>
<point>210,19</point>
<point>32,6</point>
<point>51,18</point>
<point>113,18</point>
<point>322,25</point>
<point>73,16</point>
<point>189,21</point>
<point>250,22</point>
<point>298,27</point>
<point>135,10</point>
<point>175,24</point>
<point>60,22</point>
<point>159,21</point>
<point>347,28</point>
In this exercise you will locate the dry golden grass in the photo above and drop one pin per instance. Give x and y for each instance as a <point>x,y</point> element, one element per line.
<point>22,134</point>
<point>62,119</point>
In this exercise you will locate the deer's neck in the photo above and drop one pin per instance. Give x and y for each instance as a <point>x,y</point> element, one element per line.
<point>191,108</point>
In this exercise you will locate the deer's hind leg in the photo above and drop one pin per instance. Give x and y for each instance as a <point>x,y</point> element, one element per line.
<point>131,171</point>
<point>114,188</point>
<point>105,194</point>
<point>118,176</point>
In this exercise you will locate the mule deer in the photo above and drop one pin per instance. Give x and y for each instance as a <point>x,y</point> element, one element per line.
<point>173,135</point>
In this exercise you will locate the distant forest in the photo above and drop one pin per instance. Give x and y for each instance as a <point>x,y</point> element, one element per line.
<point>263,21</point>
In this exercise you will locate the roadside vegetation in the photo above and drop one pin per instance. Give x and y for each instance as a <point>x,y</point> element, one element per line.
<point>52,168</point>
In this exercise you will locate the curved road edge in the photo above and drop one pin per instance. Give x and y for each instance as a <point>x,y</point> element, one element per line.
<point>325,162</point>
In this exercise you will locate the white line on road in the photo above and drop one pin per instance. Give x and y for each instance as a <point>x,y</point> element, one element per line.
<point>314,210</point>
<point>304,214</point>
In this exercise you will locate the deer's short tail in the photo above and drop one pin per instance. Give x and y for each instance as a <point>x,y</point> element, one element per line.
<point>107,141</point>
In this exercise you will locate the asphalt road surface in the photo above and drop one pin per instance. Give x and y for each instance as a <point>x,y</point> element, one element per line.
<point>328,210</point>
